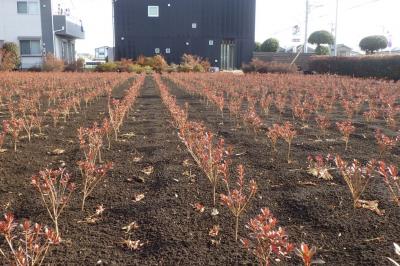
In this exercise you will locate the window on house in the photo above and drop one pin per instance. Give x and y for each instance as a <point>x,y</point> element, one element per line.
<point>22,7</point>
<point>153,11</point>
<point>211,42</point>
<point>157,50</point>
<point>28,7</point>
<point>33,8</point>
<point>194,25</point>
<point>30,47</point>
<point>168,50</point>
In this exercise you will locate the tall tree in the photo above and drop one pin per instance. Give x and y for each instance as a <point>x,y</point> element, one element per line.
<point>373,43</point>
<point>321,37</point>
<point>270,45</point>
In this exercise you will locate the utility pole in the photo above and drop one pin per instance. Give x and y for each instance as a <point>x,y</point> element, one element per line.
<point>306,27</point>
<point>336,26</point>
<point>113,23</point>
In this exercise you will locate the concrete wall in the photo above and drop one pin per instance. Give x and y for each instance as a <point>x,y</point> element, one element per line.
<point>14,26</point>
<point>301,61</point>
<point>184,26</point>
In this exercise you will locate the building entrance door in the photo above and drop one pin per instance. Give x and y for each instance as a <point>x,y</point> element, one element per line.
<point>228,55</point>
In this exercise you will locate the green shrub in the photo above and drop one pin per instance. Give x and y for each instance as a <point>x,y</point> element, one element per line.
<point>383,67</point>
<point>35,69</point>
<point>373,43</point>
<point>124,65</point>
<point>80,64</point>
<point>76,66</point>
<point>248,68</point>
<point>193,63</point>
<point>9,57</point>
<point>52,64</point>
<point>198,68</point>
<point>205,64</point>
<point>135,68</point>
<point>159,63</point>
<point>148,70</point>
<point>259,66</point>
<point>107,67</point>
<point>322,50</point>
<point>148,61</point>
<point>172,68</point>
<point>270,45</point>
<point>141,60</point>
<point>321,37</point>
<point>185,68</point>
<point>257,47</point>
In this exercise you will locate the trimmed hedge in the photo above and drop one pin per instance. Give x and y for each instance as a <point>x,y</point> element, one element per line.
<point>259,66</point>
<point>382,67</point>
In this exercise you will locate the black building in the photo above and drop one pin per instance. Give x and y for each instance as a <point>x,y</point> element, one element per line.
<point>220,30</point>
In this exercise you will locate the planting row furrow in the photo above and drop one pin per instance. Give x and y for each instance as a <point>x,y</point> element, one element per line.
<point>56,188</point>
<point>364,181</point>
<point>29,100</point>
<point>214,158</point>
<point>243,97</point>
<point>317,165</point>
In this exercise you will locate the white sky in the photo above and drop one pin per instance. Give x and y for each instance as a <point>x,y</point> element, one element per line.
<point>357,19</point>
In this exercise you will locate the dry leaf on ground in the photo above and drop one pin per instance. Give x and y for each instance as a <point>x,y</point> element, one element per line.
<point>138,197</point>
<point>148,170</point>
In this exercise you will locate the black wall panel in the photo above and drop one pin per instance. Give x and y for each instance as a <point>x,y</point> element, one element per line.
<point>137,34</point>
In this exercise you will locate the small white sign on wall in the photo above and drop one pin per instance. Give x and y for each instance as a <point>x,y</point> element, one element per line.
<point>152,11</point>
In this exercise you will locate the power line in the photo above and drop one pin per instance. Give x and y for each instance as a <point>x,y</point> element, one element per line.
<point>312,19</point>
<point>352,7</point>
<point>309,7</point>
<point>363,4</point>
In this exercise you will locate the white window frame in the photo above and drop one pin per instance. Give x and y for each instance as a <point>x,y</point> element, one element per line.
<point>167,50</point>
<point>153,11</point>
<point>30,47</point>
<point>29,9</point>
<point>194,25</point>
<point>157,50</point>
<point>211,42</point>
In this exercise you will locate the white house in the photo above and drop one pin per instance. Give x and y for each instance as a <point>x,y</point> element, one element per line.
<point>104,53</point>
<point>101,53</point>
<point>38,28</point>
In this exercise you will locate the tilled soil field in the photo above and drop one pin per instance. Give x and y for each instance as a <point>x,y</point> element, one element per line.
<point>150,160</point>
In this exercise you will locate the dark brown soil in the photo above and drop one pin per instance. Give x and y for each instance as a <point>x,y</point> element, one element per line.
<point>321,214</point>
<point>173,232</point>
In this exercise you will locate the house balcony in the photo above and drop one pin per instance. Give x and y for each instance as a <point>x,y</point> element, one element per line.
<point>68,27</point>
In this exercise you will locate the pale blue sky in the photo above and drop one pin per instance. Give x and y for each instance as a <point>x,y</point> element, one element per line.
<point>357,18</point>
